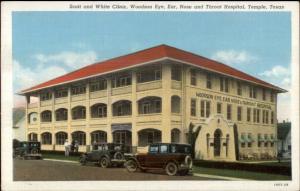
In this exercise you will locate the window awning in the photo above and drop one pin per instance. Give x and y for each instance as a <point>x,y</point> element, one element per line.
<point>261,139</point>
<point>242,140</point>
<point>121,127</point>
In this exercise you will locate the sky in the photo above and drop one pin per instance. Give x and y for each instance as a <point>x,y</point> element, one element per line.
<point>50,44</point>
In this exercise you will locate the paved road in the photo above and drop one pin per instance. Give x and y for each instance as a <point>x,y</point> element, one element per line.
<point>42,170</point>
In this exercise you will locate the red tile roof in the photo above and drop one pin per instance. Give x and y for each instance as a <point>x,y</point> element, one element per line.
<point>148,55</point>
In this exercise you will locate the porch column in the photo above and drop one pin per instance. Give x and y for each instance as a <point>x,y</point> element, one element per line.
<point>166,102</point>
<point>109,111</point>
<point>134,108</point>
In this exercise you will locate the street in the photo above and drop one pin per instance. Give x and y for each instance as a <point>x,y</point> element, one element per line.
<point>43,170</point>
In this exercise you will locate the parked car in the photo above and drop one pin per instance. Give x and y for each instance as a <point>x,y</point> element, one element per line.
<point>27,150</point>
<point>173,158</point>
<point>105,155</point>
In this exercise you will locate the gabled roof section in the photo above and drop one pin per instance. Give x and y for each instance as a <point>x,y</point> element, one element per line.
<point>149,55</point>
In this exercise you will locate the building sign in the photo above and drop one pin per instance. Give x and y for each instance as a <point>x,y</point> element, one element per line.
<point>233,100</point>
<point>120,127</point>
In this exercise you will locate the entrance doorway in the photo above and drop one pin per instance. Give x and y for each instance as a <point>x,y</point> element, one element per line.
<point>217,142</point>
<point>122,137</point>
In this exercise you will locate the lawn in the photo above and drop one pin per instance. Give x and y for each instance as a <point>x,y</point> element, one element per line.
<point>239,174</point>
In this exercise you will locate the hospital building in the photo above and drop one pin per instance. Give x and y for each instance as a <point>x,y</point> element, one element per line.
<point>153,95</point>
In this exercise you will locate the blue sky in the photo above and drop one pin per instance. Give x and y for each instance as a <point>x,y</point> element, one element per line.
<point>48,44</point>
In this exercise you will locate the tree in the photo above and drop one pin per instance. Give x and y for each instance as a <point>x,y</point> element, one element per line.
<point>192,136</point>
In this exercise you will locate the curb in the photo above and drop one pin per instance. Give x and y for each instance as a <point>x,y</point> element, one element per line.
<point>57,160</point>
<point>219,177</point>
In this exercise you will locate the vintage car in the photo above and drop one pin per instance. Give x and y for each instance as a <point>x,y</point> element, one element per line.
<point>173,158</point>
<point>27,150</point>
<point>105,155</point>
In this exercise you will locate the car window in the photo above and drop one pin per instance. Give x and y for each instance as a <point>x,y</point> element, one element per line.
<point>173,149</point>
<point>153,149</point>
<point>105,148</point>
<point>100,148</point>
<point>163,148</point>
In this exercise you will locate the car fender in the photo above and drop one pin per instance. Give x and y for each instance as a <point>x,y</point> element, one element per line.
<point>106,156</point>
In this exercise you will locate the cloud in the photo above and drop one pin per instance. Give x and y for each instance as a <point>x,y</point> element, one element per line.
<point>46,67</point>
<point>233,57</point>
<point>281,76</point>
<point>70,59</point>
<point>277,71</point>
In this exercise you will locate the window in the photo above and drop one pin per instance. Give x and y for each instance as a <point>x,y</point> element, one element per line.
<point>46,96</point>
<point>63,92</point>
<point>61,137</point>
<point>272,117</point>
<point>98,137</point>
<point>193,77</point>
<point>272,96</point>
<point>79,136</point>
<point>46,116</point>
<point>46,139</point>
<point>259,140</point>
<point>256,115</point>
<point>122,108</point>
<point>204,108</point>
<point>229,112</point>
<point>176,72</point>
<point>248,114</point>
<point>163,148</point>
<point>250,138</point>
<point>239,88</point>
<point>121,80</point>
<point>98,110</point>
<point>175,136</point>
<point>147,74</point>
<point>61,114</point>
<point>219,107</point>
<point>78,89</point>
<point>265,116</point>
<point>243,144</point>
<point>239,113</point>
<point>224,84</point>
<point>78,113</point>
<point>149,105</point>
<point>98,84</point>
<point>252,92</point>
<point>153,149</point>
<point>175,104</point>
<point>264,94</point>
<point>208,81</point>
<point>193,107</point>
<point>32,137</point>
<point>266,142</point>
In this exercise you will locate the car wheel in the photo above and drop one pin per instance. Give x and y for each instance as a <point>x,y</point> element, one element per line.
<point>171,169</point>
<point>104,162</point>
<point>34,151</point>
<point>131,166</point>
<point>119,156</point>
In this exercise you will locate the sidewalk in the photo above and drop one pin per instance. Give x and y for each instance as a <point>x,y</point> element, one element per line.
<point>57,160</point>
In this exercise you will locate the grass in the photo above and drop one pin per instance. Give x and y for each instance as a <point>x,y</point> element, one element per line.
<point>240,174</point>
<point>60,157</point>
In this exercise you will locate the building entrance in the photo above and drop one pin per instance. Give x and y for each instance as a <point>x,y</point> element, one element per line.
<point>217,143</point>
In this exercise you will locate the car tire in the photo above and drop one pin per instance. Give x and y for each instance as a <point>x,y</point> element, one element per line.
<point>131,166</point>
<point>104,162</point>
<point>119,156</point>
<point>34,151</point>
<point>188,161</point>
<point>171,169</point>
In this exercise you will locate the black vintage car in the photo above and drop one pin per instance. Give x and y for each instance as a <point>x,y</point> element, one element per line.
<point>27,150</point>
<point>105,155</point>
<point>173,158</point>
